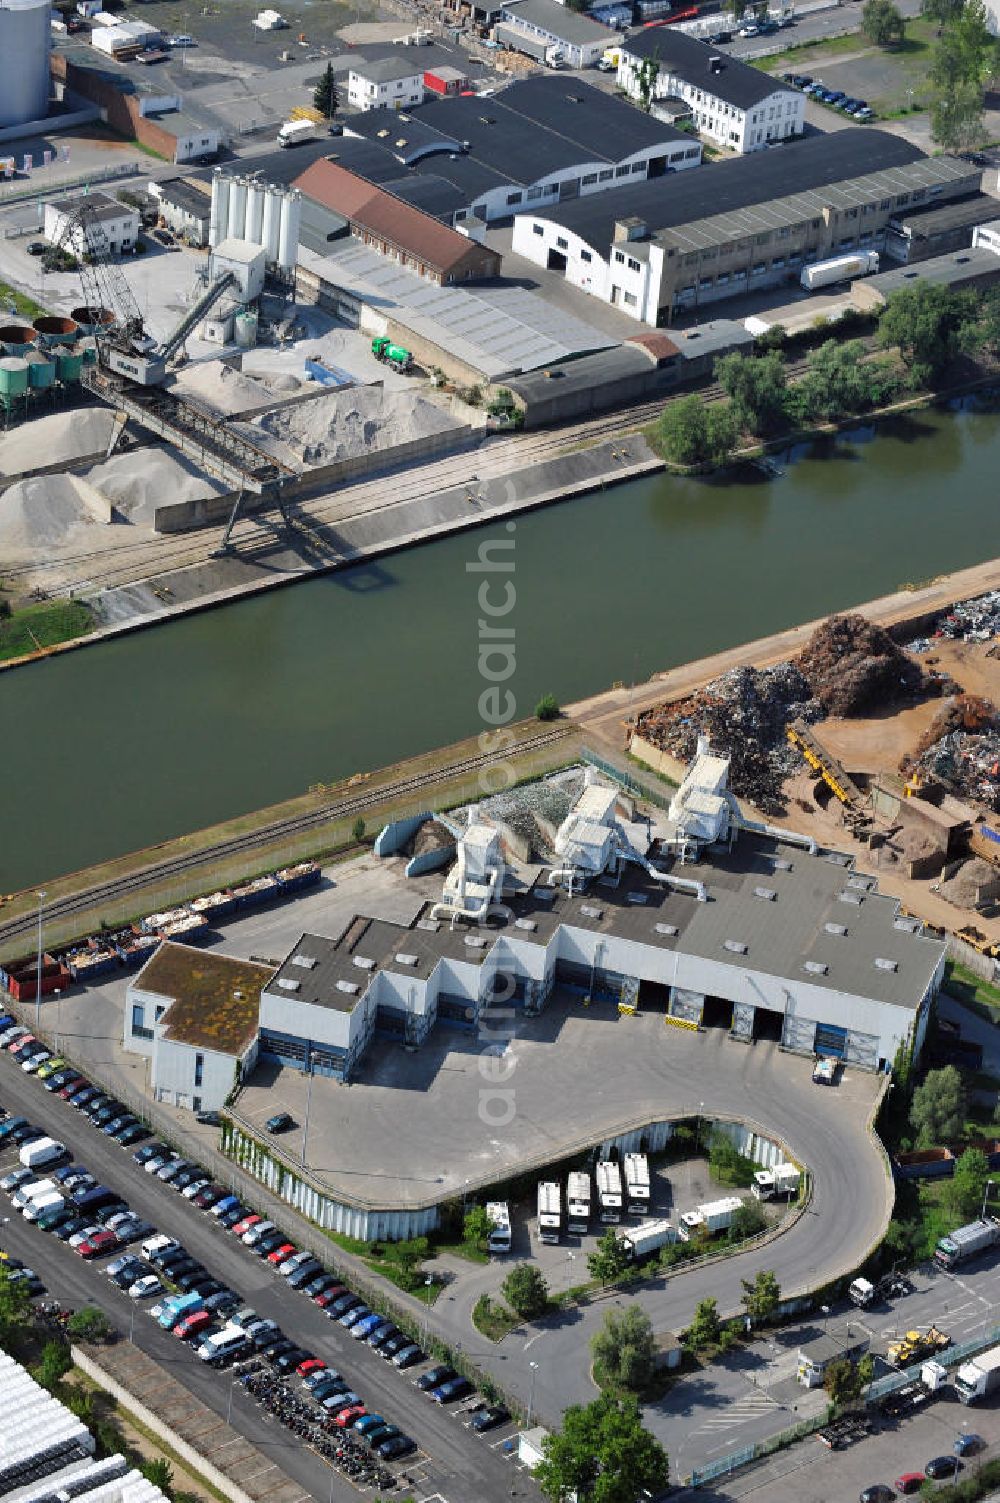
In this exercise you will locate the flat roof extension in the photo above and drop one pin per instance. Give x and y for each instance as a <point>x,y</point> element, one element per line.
<point>215,1000</point>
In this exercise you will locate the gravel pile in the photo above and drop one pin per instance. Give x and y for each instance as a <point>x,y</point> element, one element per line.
<point>57,438</point>
<point>348,423</point>
<point>45,515</point>
<point>137,481</point>
<point>229,391</point>
<point>961,889</point>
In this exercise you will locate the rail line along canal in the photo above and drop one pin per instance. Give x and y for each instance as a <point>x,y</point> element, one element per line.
<point>142,738</point>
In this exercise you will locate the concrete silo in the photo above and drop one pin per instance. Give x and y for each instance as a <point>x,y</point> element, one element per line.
<point>25,39</point>
<point>253,230</point>
<point>219,218</point>
<point>288,242</point>
<point>272,223</point>
<point>237,208</point>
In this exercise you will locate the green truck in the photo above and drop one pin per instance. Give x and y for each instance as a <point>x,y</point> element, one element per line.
<point>391,354</point>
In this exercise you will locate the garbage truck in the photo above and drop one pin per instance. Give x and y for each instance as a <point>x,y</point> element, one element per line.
<point>646,1238</point>
<point>978,1378</point>
<point>769,1183</point>
<point>391,354</point>
<point>967,1242</point>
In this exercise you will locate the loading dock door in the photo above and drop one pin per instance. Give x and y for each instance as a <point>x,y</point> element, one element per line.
<point>831,1041</point>
<point>862,1049</point>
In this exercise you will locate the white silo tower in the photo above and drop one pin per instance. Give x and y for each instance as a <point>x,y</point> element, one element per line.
<point>254,230</point>
<point>272,223</point>
<point>25,39</point>
<point>218,224</point>
<point>237,208</point>
<point>288,242</point>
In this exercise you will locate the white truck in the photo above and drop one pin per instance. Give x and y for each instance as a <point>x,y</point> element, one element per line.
<point>978,1378</point>
<point>41,1153</point>
<point>646,1238</point>
<point>862,1292</point>
<point>967,1242</point>
<point>710,1217</point>
<point>637,1183</point>
<point>24,1193</point>
<point>768,1184</point>
<point>549,1211</point>
<point>498,1240</point>
<point>555,56</point>
<point>825,1071</point>
<point>609,60</point>
<point>609,1190</point>
<point>838,269</point>
<point>39,1204</point>
<point>578,1202</point>
<point>294,132</point>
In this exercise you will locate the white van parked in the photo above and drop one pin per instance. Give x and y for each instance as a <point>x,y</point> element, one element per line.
<point>42,1153</point>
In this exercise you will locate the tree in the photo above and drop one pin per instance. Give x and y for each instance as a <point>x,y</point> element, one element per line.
<point>358,830</point>
<point>964,59</point>
<point>747,1221</point>
<point>14,1304</point>
<point>88,1324</point>
<point>845,1380</point>
<point>602,1454</point>
<point>720,433</point>
<point>547,708</point>
<point>705,1326</point>
<point>937,1114</point>
<point>941,11</point>
<point>55,1363</point>
<point>968,1185</point>
<point>526,1291</point>
<point>159,1472</point>
<point>756,386</point>
<point>882,23</point>
<point>325,98</point>
<point>646,74</point>
<point>609,1258</point>
<point>623,1348</point>
<point>692,433</point>
<point>926,323</point>
<point>957,117</point>
<point>762,1296</point>
<point>477,1226</point>
<point>840,379</point>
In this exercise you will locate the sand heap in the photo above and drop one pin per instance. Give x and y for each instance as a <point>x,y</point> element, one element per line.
<point>963,886</point>
<point>345,424</point>
<point>225,389</point>
<point>57,438</point>
<point>139,480</point>
<point>47,514</point>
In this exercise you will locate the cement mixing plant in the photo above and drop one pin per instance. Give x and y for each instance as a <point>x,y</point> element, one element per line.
<point>25,39</point>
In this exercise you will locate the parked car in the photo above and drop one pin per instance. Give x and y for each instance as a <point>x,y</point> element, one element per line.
<point>942,1466</point>
<point>99,1242</point>
<point>192,1325</point>
<point>16,1177</point>
<point>346,1417</point>
<point>408,1357</point>
<point>396,1446</point>
<point>301,1275</point>
<point>909,1482</point>
<point>207,1197</point>
<point>968,1444</point>
<point>281,1253</point>
<point>877,1493</point>
<point>295,1261</point>
<point>146,1287</point>
<point>280,1122</point>
<point>490,1417</point>
<point>208,1119</point>
<point>455,1388</point>
<point>433,1377</point>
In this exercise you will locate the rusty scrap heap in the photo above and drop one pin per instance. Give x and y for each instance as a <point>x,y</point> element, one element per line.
<point>854,668</point>
<point>961,750</point>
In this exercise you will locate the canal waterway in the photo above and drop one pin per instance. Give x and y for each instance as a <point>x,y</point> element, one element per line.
<point>111,748</point>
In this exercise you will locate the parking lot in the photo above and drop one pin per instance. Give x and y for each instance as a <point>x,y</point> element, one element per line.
<point>451,1460</point>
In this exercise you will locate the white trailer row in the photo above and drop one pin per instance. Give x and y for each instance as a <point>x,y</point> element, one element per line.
<point>609,1191</point>
<point>709,1218</point>
<point>637,1183</point>
<point>549,1211</point>
<point>578,1203</point>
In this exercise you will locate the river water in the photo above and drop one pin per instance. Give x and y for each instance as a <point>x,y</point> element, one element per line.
<point>109,749</point>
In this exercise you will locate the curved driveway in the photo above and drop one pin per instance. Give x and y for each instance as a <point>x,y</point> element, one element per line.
<point>825,1128</point>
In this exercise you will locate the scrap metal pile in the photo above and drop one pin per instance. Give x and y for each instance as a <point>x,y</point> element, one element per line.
<point>744,714</point>
<point>854,667</point>
<point>961,750</point>
<point>969,621</point>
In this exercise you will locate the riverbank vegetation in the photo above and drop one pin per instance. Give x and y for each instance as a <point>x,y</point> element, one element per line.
<point>25,629</point>
<point>926,337</point>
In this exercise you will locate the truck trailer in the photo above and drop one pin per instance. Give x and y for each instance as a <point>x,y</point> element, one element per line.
<point>838,269</point>
<point>637,1183</point>
<point>768,1184</point>
<point>967,1242</point>
<point>549,1211</point>
<point>609,1190</point>
<point>578,1202</point>
<point>646,1238</point>
<point>295,132</point>
<point>711,1217</point>
<point>978,1378</point>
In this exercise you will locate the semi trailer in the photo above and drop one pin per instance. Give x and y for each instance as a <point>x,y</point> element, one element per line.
<point>978,1378</point>
<point>578,1202</point>
<point>609,1190</point>
<point>768,1184</point>
<point>637,1183</point>
<point>549,1211</point>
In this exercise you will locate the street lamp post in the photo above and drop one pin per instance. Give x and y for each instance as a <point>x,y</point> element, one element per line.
<point>428,1281</point>
<point>531,1394</point>
<point>58,1016</point>
<point>986,1195</point>
<point>701,1111</point>
<point>38,976</point>
<point>309,1092</point>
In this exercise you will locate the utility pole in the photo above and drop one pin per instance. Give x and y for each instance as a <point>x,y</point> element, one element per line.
<point>38,977</point>
<point>309,1091</point>
<point>531,1395</point>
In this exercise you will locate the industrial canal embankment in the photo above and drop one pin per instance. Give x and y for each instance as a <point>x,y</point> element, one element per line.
<point>147,736</point>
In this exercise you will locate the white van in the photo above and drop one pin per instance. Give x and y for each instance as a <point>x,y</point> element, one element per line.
<point>31,1191</point>
<point>42,1153</point>
<point>41,1203</point>
<point>225,1344</point>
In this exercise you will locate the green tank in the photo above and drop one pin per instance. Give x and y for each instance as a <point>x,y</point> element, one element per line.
<point>68,364</point>
<point>41,371</point>
<point>13,377</point>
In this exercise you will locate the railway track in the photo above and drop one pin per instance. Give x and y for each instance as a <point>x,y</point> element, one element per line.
<point>119,887</point>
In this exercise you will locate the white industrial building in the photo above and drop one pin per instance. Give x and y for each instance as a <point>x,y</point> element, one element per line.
<point>732,103</point>
<point>392,83</point>
<point>195,1017</point>
<point>535,27</point>
<point>118,224</point>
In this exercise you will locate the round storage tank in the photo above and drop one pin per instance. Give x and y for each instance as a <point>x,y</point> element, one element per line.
<point>272,224</point>
<point>41,371</point>
<point>13,376</point>
<point>53,330</point>
<point>68,363</point>
<point>218,227</point>
<point>88,319</point>
<point>87,348</point>
<point>15,339</point>
<point>25,39</point>
<point>237,209</point>
<point>245,329</point>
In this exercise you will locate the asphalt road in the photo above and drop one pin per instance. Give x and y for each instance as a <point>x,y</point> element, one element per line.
<point>462,1467</point>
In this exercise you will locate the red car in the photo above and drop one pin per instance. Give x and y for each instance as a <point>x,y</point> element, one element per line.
<point>281,1253</point>
<point>245,1225</point>
<point>909,1482</point>
<point>329,1295</point>
<point>310,1365</point>
<point>101,1242</point>
<point>72,1086</point>
<point>192,1324</point>
<point>349,1415</point>
<point>27,1038</point>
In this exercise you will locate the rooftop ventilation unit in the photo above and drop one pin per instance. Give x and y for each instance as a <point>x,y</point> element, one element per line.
<point>908,925</point>
<point>528,924</point>
<point>591,912</point>
<point>816,967</point>
<point>287,984</point>
<point>863,884</point>
<point>474,942</point>
<point>781,864</point>
<point>837,858</point>
<point>407,959</point>
<point>767,893</point>
<point>305,961</point>
<point>851,897</point>
<point>886,965</point>
<point>671,930</point>
<point>363,963</point>
<point>429,925</point>
<point>839,929</point>
<point>350,987</point>
<point>737,946</point>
